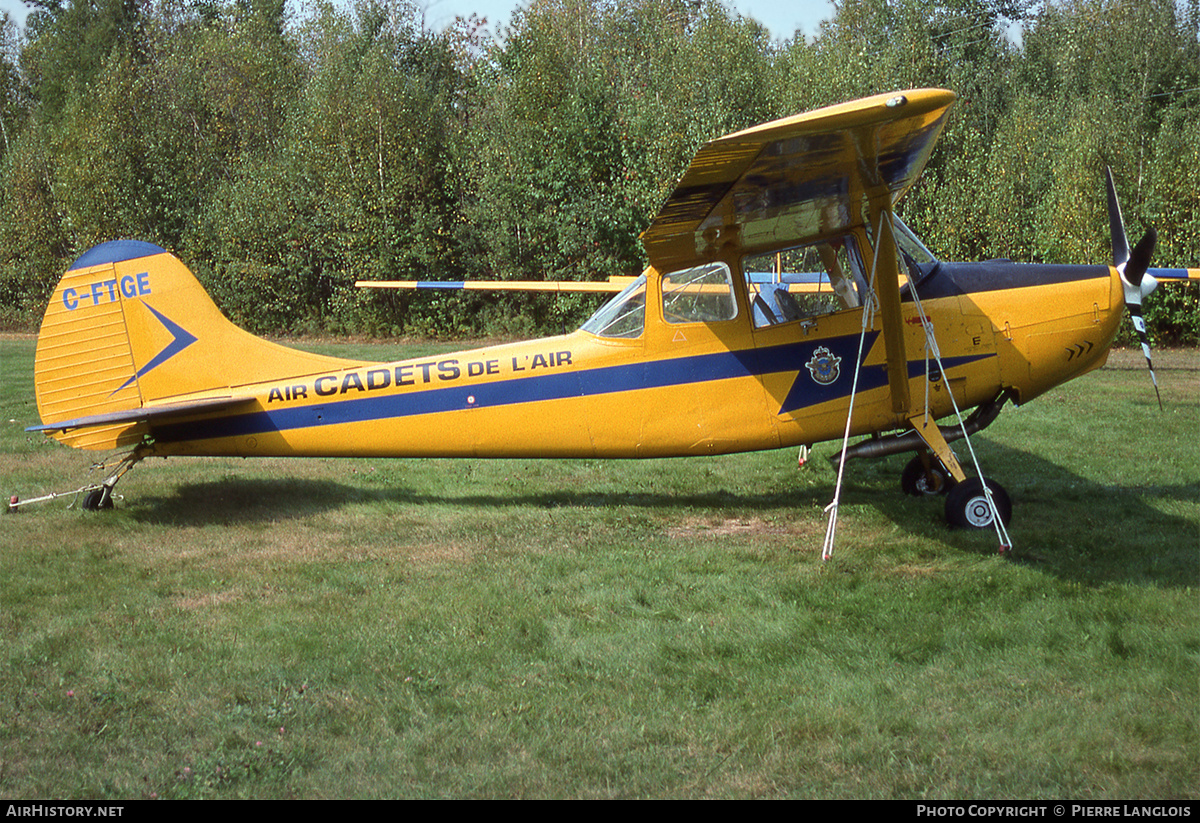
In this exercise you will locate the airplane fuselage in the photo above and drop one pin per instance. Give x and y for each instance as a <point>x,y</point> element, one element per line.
<point>683,389</point>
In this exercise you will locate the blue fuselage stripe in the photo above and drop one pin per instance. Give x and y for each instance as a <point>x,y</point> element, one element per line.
<point>587,382</point>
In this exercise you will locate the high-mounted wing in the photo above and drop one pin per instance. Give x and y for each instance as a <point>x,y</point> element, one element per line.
<point>804,178</point>
<point>776,185</point>
<point>611,285</point>
<point>1175,275</point>
<point>797,179</point>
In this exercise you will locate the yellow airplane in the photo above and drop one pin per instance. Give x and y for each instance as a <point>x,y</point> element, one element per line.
<point>784,304</point>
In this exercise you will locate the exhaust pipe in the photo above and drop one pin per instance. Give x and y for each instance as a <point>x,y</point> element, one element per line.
<point>910,441</point>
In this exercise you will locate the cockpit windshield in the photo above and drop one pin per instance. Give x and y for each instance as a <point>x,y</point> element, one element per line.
<point>622,317</point>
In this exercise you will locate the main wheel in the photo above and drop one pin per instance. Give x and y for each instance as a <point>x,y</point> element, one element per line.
<point>967,505</point>
<point>921,482</point>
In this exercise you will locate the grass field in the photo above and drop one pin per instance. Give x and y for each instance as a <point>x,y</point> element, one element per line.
<point>442,628</point>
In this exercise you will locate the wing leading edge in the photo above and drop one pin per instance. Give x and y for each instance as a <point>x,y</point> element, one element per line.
<point>797,179</point>
<point>612,285</point>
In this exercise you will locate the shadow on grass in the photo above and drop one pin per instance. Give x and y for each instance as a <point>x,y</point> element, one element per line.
<point>1063,524</point>
<point>248,500</point>
<point>1074,528</point>
<point>241,500</point>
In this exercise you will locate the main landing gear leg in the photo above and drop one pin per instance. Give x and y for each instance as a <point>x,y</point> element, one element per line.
<point>967,503</point>
<point>947,464</point>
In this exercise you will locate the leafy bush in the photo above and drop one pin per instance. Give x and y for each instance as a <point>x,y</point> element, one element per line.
<point>286,155</point>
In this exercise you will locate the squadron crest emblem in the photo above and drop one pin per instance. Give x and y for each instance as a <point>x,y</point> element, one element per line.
<point>824,366</point>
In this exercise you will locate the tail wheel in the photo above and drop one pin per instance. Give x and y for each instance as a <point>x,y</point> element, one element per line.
<point>921,480</point>
<point>967,504</point>
<point>98,500</point>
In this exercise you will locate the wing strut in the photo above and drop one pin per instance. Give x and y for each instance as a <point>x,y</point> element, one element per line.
<point>922,422</point>
<point>888,282</point>
<point>868,321</point>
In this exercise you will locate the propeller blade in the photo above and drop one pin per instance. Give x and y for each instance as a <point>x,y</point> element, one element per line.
<point>1131,266</point>
<point>1139,323</point>
<point>1132,275</point>
<point>1139,260</point>
<point>1116,225</point>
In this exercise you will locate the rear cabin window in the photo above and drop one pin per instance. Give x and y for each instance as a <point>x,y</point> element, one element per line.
<point>805,281</point>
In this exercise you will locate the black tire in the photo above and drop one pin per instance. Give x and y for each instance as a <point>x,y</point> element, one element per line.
<point>918,482</point>
<point>96,500</point>
<point>967,506</point>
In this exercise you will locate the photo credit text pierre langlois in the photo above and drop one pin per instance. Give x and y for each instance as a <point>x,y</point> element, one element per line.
<point>1059,810</point>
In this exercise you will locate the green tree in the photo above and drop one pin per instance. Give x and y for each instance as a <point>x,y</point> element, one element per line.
<point>361,184</point>
<point>285,156</point>
<point>1174,205</point>
<point>69,43</point>
<point>588,114</point>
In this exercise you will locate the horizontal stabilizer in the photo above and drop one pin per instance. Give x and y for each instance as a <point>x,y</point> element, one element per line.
<point>146,414</point>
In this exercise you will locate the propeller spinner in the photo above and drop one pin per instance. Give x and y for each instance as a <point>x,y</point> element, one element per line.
<point>1132,266</point>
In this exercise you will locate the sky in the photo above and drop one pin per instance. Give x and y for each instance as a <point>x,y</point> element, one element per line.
<point>781,17</point>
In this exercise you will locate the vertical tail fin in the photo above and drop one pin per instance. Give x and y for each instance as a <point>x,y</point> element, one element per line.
<point>130,327</point>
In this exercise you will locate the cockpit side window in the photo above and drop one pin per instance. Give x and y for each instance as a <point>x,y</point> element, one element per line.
<point>701,294</point>
<point>805,281</point>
